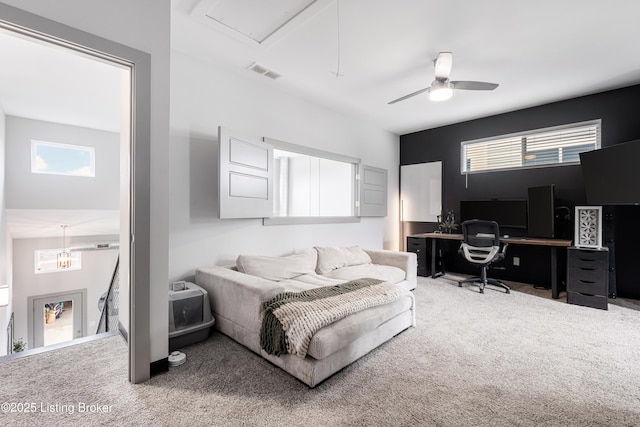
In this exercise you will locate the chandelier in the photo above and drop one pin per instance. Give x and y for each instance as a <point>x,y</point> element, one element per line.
<point>64,257</point>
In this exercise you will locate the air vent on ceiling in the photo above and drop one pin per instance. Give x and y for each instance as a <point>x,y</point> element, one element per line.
<point>95,246</point>
<point>261,69</point>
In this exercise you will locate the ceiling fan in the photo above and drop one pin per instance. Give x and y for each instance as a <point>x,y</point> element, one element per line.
<point>442,88</point>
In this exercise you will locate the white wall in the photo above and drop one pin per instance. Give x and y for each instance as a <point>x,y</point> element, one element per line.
<point>5,312</point>
<point>27,190</point>
<point>8,256</point>
<point>205,96</point>
<point>143,25</point>
<point>95,276</point>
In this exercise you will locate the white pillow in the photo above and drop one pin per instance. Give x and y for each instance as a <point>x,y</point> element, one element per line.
<point>278,268</point>
<point>331,258</point>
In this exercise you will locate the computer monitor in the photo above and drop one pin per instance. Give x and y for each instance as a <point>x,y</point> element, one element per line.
<point>507,213</point>
<point>611,174</point>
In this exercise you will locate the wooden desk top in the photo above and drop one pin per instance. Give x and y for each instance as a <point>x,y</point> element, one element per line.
<point>443,236</point>
<point>514,240</point>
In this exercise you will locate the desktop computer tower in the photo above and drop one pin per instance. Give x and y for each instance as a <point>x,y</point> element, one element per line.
<point>563,223</point>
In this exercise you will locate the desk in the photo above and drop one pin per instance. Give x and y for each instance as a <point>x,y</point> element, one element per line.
<point>553,244</point>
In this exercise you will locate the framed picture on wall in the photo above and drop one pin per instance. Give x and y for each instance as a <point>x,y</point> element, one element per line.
<point>588,226</point>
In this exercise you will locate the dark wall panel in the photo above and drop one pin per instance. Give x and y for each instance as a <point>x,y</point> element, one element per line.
<point>618,110</point>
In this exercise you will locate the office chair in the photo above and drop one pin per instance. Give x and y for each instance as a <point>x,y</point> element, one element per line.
<point>481,246</point>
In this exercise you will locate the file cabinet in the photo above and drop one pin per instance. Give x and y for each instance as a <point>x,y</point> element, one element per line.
<point>419,247</point>
<point>588,277</point>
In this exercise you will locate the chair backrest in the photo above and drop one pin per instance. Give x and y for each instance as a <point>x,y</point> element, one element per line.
<point>481,241</point>
<point>481,233</point>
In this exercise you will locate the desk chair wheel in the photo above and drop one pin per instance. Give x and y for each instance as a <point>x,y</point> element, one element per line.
<point>482,281</point>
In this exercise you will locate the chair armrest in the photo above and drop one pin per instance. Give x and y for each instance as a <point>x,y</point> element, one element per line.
<point>503,253</point>
<point>236,296</point>
<point>504,248</point>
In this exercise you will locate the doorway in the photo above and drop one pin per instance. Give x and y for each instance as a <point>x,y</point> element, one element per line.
<point>73,138</point>
<point>59,325</point>
<point>134,177</point>
<point>57,318</point>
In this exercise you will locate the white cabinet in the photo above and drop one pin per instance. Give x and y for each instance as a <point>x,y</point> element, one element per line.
<point>373,191</point>
<point>246,176</point>
<point>421,192</point>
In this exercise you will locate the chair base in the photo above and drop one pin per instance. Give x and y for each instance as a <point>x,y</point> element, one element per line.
<point>484,281</point>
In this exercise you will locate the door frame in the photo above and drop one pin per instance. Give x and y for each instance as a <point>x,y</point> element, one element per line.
<point>32,322</point>
<point>37,27</point>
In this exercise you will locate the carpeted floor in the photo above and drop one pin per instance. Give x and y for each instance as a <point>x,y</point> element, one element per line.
<point>473,360</point>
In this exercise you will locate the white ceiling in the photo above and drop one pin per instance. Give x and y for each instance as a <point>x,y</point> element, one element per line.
<point>44,82</point>
<point>38,223</point>
<point>538,51</point>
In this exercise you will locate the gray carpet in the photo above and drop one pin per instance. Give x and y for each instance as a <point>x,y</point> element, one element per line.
<point>49,389</point>
<point>472,360</point>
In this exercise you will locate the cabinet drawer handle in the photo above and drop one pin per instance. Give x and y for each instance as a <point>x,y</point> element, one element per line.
<point>586,281</point>
<point>587,269</point>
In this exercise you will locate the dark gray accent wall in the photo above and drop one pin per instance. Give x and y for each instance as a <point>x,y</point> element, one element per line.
<point>618,111</point>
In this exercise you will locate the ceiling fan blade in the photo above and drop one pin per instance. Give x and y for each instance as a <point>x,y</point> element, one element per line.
<point>467,85</point>
<point>442,65</point>
<point>409,96</point>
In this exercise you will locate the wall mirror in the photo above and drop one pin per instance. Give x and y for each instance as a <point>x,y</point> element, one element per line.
<point>307,185</point>
<point>312,185</point>
<point>421,192</point>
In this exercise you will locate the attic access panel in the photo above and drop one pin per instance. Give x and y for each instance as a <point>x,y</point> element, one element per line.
<point>257,22</point>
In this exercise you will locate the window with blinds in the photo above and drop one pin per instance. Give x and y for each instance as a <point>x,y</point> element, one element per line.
<point>560,145</point>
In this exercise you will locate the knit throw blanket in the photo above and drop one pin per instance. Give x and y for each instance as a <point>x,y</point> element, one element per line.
<point>290,319</point>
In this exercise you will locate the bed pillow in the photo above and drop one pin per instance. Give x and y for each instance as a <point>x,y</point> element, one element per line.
<point>331,258</point>
<point>278,268</point>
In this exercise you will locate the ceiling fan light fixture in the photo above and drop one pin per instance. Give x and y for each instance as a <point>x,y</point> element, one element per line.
<point>441,90</point>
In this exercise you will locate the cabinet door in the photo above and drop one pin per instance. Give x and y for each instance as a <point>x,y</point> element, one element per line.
<point>246,176</point>
<point>373,191</point>
<point>421,192</point>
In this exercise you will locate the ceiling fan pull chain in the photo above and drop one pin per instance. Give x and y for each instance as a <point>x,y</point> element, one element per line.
<point>337,72</point>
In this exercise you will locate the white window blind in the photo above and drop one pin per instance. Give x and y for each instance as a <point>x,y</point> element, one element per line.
<point>555,146</point>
